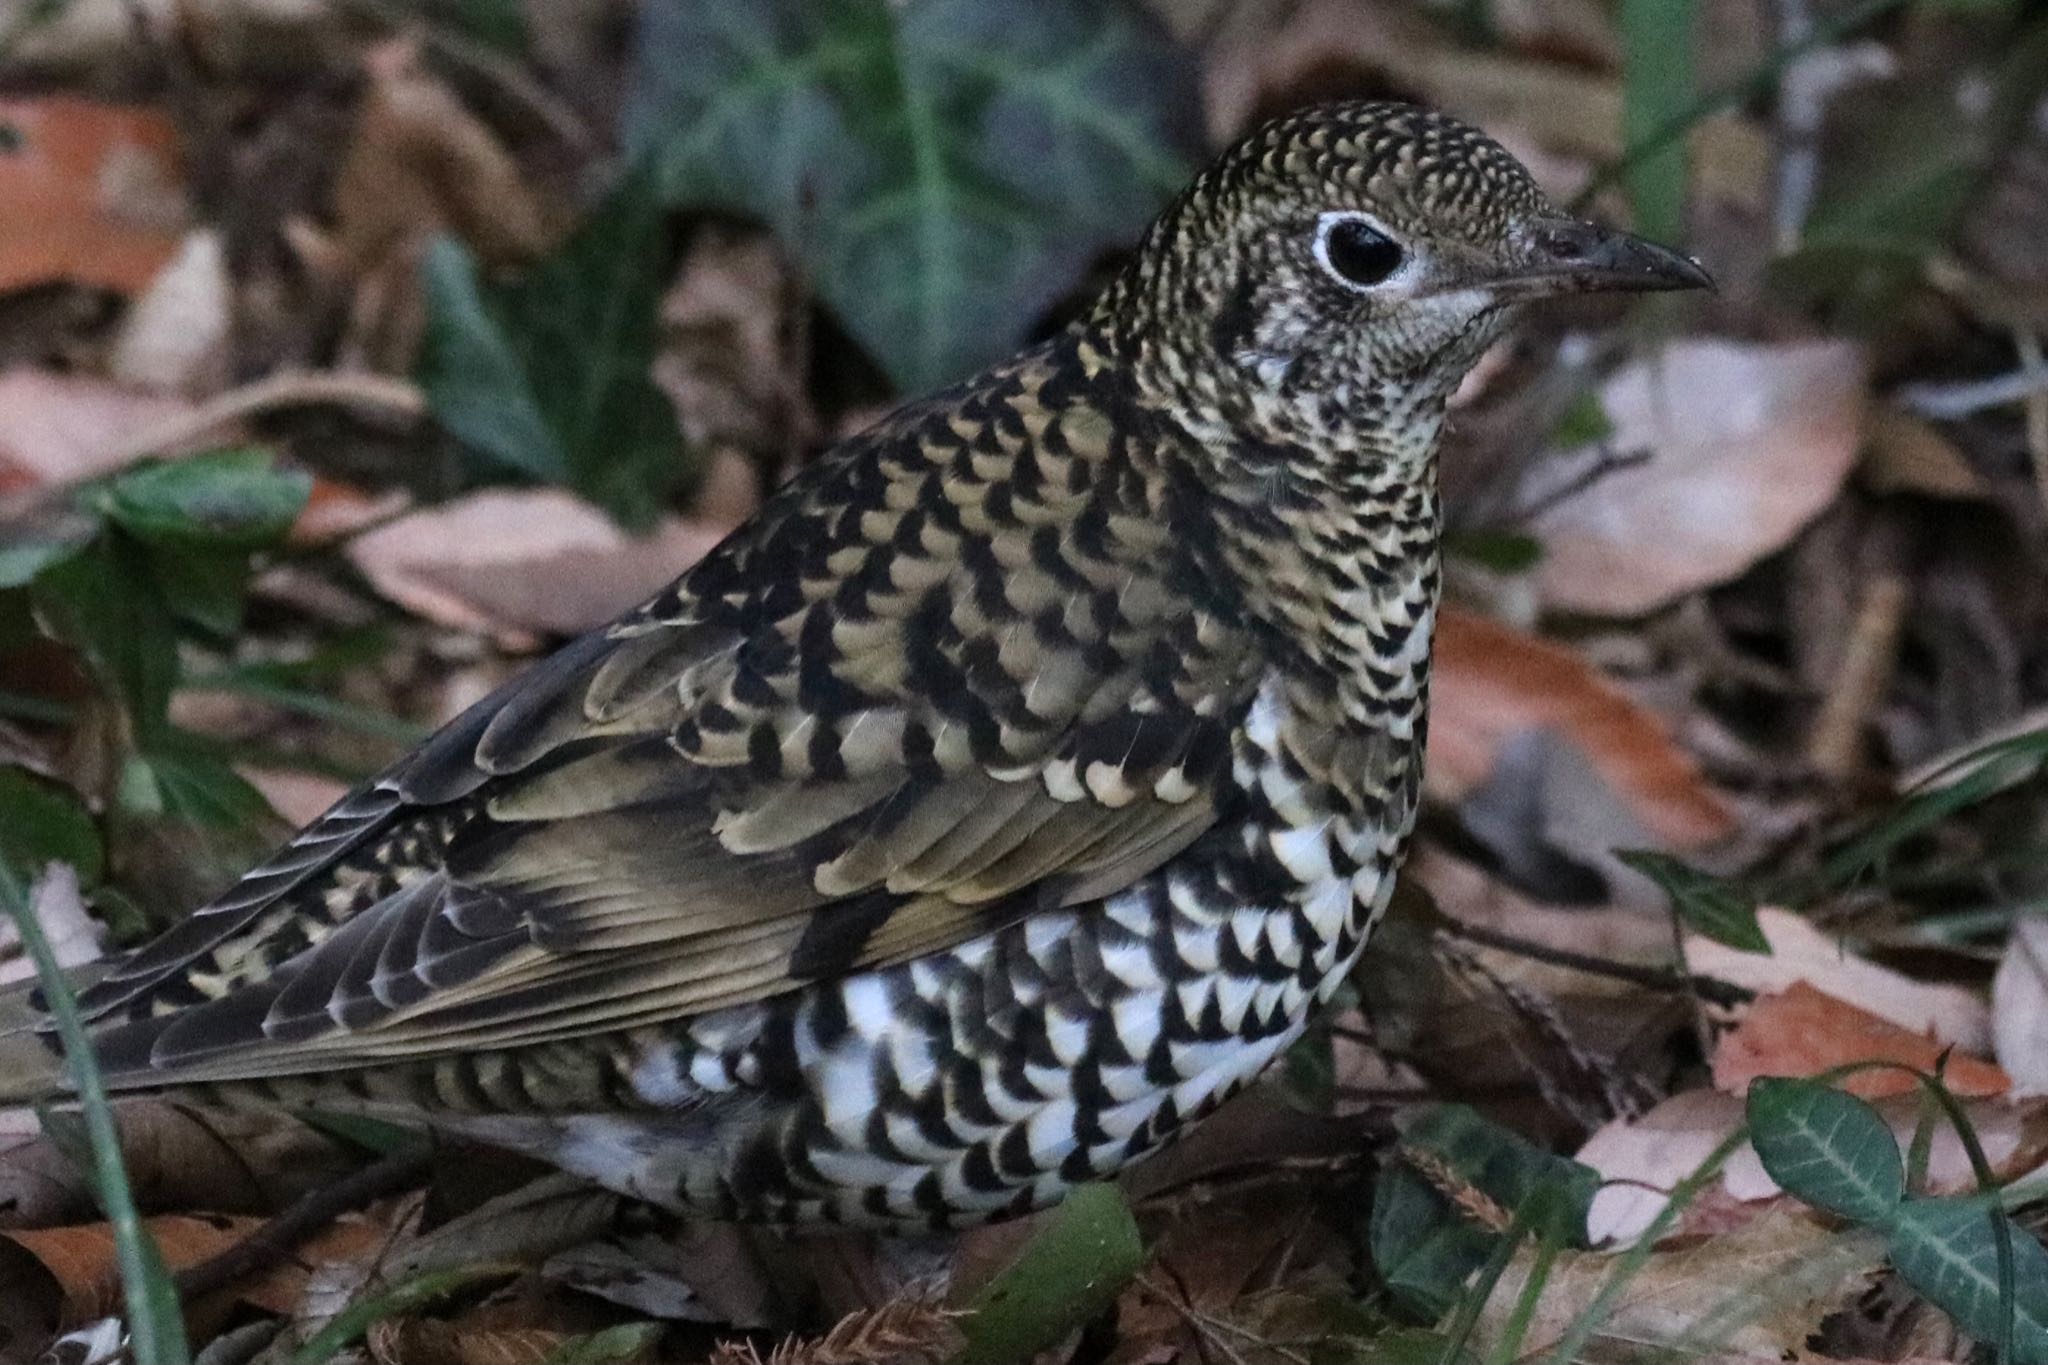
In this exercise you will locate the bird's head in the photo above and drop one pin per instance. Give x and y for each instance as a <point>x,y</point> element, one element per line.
<point>1329,279</point>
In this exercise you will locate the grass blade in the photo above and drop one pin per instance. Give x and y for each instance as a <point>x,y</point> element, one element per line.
<point>156,1325</point>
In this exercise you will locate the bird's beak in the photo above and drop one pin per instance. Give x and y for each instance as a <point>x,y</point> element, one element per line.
<point>1567,256</point>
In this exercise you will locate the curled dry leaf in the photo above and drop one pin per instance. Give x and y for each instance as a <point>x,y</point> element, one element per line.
<point>1802,952</point>
<point>524,563</point>
<point>420,162</point>
<point>89,193</point>
<point>1746,444</point>
<point>1802,1031</point>
<point>1491,682</point>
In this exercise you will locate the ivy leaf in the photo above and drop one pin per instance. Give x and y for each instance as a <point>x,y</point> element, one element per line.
<point>550,377</point>
<point>944,169</point>
<point>104,603</point>
<point>1706,904</point>
<point>1948,1250</point>
<point>1827,1147</point>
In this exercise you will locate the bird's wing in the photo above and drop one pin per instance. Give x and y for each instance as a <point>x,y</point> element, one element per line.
<point>944,681</point>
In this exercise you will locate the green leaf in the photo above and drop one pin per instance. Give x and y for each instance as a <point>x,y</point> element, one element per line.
<point>230,499</point>
<point>104,603</point>
<point>473,377</point>
<point>944,169</point>
<point>1709,905</point>
<point>41,823</point>
<point>1584,423</point>
<point>1657,87</point>
<point>1423,1247</point>
<point>1948,1250</point>
<point>1827,1147</point>
<point>1072,1269</point>
<point>551,377</point>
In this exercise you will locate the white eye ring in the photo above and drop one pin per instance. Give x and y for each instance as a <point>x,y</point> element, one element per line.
<point>1374,260</point>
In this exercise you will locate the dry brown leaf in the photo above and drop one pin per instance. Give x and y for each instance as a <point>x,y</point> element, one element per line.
<point>1746,443</point>
<point>89,193</point>
<point>237,1161</point>
<point>419,162</point>
<point>521,563</point>
<point>59,428</point>
<point>1803,1032</point>
<point>82,1269</point>
<point>335,511</point>
<point>428,1341</point>
<point>1801,951</point>
<point>1755,1291</point>
<point>1491,682</point>
<point>1908,454</point>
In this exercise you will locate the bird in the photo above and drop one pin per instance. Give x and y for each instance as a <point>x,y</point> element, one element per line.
<point>970,823</point>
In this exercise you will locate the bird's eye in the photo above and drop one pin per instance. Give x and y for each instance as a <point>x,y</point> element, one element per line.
<point>1355,251</point>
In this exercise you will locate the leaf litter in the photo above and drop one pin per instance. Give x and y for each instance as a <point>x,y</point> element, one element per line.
<point>1727,581</point>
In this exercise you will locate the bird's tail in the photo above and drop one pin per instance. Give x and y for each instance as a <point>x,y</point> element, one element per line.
<point>31,1063</point>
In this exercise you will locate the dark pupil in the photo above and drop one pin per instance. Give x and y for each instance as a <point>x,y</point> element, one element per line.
<point>1361,253</point>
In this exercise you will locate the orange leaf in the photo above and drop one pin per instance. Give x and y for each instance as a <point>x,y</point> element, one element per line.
<point>89,192</point>
<point>1491,682</point>
<point>1802,1031</point>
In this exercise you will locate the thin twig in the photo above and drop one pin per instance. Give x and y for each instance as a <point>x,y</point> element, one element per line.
<point>1606,461</point>
<point>1835,744</point>
<point>288,389</point>
<point>2029,346</point>
<point>1708,988</point>
<point>312,1212</point>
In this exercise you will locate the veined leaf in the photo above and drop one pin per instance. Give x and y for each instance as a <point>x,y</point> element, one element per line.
<point>1948,1250</point>
<point>943,168</point>
<point>1827,1147</point>
<point>1708,905</point>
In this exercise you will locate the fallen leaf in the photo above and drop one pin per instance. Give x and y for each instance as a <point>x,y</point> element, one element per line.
<point>2019,1007</point>
<point>1491,682</point>
<point>60,428</point>
<point>175,336</point>
<point>335,511</point>
<point>1800,951</point>
<point>1644,1157</point>
<point>82,1269</point>
<point>1802,1031</point>
<point>1908,454</point>
<point>1753,1292</point>
<point>418,162</point>
<point>299,797</point>
<point>1746,443</point>
<point>89,193</point>
<point>522,563</point>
